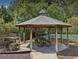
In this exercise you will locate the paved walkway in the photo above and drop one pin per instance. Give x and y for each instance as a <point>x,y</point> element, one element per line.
<point>76,58</point>
<point>24,47</point>
<point>38,55</point>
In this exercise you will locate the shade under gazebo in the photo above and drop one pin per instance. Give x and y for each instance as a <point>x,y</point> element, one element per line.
<point>43,21</point>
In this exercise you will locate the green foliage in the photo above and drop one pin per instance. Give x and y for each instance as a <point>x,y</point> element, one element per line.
<point>5,15</point>
<point>74,22</point>
<point>7,18</point>
<point>2,25</point>
<point>55,11</point>
<point>9,45</point>
<point>22,10</point>
<point>8,27</point>
<point>13,47</point>
<point>42,42</point>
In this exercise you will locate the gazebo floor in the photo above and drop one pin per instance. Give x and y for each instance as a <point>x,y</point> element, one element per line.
<point>46,49</point>
<point>49,49</point>
<point>44,52</point>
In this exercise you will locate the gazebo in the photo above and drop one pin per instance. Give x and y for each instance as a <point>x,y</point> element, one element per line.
<point>43,21</point>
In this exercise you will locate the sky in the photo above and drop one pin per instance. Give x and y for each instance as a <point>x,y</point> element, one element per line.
<point>5,2</point>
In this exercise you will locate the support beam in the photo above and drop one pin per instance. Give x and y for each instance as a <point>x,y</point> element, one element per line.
<point>56,40</point>
<point>67,36</point>
<point>30,39</point>
<point>24,35</point>
<point>61,35</point>
<point>19,35</point>
<point>48,34</point>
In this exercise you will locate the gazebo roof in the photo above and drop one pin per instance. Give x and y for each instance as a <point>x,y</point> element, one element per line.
<point>43,21</point>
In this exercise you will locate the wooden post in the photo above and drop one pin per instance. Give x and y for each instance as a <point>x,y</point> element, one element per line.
<point>19,35</point>
<point>48,34</point>
<point>61,35</point>
<point>67,36</point>
<point>30,39</point>
<point>24,35</point>
<point>56,41</point>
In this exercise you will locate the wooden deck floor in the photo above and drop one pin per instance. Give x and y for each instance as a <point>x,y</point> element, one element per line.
<point>15,56</point>
<point>32,55</point>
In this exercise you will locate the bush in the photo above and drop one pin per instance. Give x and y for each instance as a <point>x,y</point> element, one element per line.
<point>10,45</point>
<point>13,47</point>
<point>42,42</point>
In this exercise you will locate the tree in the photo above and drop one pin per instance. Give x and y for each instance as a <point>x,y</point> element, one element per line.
<point>74,22</point>
<point>22,10</point>
<point>5,15</point>
<point>2,25</point>
<point>55,12</point>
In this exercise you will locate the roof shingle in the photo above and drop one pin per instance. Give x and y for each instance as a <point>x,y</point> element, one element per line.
<point>43,20</point>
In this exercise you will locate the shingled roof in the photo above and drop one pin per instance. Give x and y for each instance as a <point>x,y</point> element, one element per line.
<point>43,21</point>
